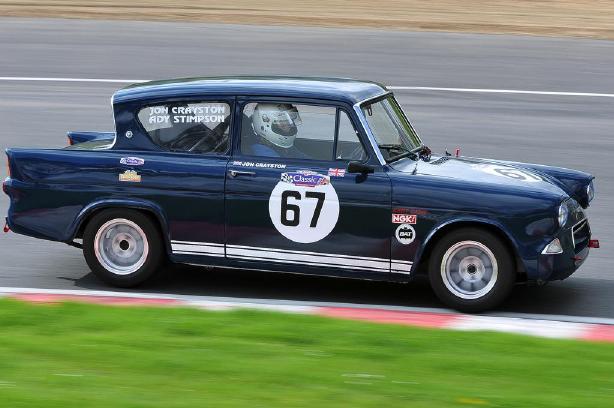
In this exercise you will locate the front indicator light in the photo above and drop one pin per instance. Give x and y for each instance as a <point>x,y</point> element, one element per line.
<point>553,248</point>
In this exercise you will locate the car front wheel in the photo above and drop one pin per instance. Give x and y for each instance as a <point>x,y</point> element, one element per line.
<point>122,247</point>
<point>471,270</point>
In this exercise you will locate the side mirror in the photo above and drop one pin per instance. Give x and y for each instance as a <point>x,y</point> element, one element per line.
<point>356,167</point>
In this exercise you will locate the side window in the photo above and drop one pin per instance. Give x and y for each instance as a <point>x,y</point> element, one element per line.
<point>348,144</point>
<point>198,127</point>
<point>288,130</point>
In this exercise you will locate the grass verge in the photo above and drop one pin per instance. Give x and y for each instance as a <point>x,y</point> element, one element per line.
<point>584,18</point>
<point>76,355</point>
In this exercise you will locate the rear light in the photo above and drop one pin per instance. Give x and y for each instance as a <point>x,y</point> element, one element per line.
<point>69,141</point>
<point>8,167</point>
<point>593,243</point>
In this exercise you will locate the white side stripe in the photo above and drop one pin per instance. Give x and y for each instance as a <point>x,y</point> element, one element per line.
<point>198,253</point>
<point>397,266</point>
<point>288,251</point>
<point>320,259</point>
<point>302,262</point>
<point>291,256</point>
<point>198,248</point>
<point>197,243</point>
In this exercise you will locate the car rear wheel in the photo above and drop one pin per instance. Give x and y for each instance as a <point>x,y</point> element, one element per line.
<point>122,247</point>
<point>471,270</point>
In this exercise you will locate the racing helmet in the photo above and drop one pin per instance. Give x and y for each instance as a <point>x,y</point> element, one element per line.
<point>277,123</point>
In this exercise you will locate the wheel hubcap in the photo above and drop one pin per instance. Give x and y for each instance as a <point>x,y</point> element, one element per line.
<point>469,269</point>
<point>121,246</point>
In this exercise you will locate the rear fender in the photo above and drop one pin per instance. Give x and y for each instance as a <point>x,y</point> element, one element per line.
<point>143,205</point>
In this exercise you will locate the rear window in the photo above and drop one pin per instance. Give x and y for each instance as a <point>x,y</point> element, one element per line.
<point>196,127</point>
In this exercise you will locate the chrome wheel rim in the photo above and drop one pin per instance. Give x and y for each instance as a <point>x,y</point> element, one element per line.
<point>121,246</point>
<point>469,269</point>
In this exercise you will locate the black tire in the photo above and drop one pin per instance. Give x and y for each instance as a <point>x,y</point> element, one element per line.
<point>472,270</point>
<point>148,261</point>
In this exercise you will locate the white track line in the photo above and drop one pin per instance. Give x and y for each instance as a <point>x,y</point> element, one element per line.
<point>50,79</point>
<point>503,91</point>
<point>398,88</point>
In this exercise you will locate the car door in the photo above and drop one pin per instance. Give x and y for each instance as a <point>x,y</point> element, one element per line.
<point>186,176</point>
<point>295,207</point>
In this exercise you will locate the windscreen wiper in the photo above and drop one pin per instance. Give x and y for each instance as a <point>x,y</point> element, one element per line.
<point>420,152</point>
<point>392,147</point>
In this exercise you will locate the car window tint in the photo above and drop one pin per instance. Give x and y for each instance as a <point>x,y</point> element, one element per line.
<point>348,144</point>
<point>288,130</point>
<point>197,127</point>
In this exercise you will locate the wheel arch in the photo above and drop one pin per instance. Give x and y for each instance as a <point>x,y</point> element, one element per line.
<point>148,208</point>
<point>441,230</point>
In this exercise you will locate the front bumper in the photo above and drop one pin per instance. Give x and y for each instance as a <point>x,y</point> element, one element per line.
<point>575,243</point>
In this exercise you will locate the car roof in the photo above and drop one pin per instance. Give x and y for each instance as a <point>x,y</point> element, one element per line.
<point>338,89</point>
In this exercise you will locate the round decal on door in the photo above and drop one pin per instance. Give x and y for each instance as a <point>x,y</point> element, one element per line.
<point>405,234</point>
<point>304,206</point>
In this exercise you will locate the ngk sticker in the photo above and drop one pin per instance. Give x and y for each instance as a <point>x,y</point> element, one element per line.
<point>403,219</point>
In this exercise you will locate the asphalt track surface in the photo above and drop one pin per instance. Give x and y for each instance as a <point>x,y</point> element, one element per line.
<point>569,131</point>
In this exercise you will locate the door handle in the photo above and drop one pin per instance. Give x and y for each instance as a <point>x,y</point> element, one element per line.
<point>236,173</point>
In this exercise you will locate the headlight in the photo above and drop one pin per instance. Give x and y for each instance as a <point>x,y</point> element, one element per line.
<point>563,214</point>
<point>590,191</point>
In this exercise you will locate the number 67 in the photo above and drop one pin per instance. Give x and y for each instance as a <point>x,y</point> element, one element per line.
<point>295,209</point>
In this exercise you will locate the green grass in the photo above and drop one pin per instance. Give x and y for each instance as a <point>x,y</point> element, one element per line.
<point>74,355</point>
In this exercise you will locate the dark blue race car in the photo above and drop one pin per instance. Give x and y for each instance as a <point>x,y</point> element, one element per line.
<point>306,175</point>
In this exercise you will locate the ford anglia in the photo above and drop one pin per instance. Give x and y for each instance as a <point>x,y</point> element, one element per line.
<point>304,175</point>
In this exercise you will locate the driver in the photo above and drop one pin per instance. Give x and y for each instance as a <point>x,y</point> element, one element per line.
<point>275,126</point>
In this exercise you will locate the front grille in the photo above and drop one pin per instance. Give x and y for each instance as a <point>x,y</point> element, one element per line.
<point>581,234</point>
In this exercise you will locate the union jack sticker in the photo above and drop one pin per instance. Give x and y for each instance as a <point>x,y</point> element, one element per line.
<point>336,172</point>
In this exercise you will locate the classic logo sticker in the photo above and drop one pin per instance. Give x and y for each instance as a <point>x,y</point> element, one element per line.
<point>305,178</point>
<point>130,175</point>
<point>403,219</point>
<point>304,206</point>
<point>405,234</point>
<point>509,172</point>
<point>132,161</point>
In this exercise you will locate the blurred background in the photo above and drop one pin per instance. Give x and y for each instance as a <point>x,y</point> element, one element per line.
<point>520,80</point>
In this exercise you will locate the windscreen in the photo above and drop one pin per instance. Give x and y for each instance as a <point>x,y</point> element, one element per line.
<point>391,129</point>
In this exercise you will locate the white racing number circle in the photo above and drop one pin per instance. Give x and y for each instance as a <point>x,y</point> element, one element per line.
<point>304,206</point>
<point>405,234</point>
